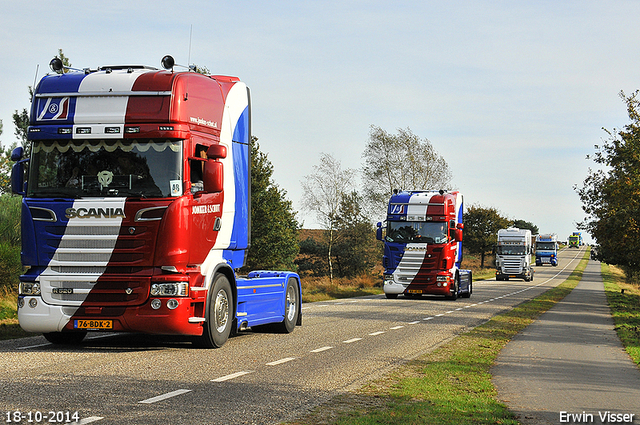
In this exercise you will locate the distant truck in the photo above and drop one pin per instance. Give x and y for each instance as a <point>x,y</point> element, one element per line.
<point>513,254</point>
<point>423,245</point>
<point>547,249</point>
<point>136,208</point>
<point>575,240</point>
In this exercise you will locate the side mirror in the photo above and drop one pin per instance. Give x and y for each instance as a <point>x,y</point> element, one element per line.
<point>17,178</point>
<point>17,154</point>
<point>217,151</point>
<point>213,178</point>
<point>458,235</point>
<point>379,231</point>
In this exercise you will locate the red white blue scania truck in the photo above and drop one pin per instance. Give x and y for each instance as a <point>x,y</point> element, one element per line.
<point>423,245</point>
<point>136,208</point>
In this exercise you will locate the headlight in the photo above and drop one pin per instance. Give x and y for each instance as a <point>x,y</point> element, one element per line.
<point>442,278</point>
<point>170,289</point>
<point>388,279</point>
<point>29,288</point>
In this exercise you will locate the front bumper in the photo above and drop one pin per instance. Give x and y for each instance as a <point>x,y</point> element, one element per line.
<point>44,318</point>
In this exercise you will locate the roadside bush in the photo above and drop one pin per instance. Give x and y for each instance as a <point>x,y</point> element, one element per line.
<point>10,267</point>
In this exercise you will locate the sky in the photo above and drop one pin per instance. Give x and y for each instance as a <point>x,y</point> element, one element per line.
<point>513,94</point>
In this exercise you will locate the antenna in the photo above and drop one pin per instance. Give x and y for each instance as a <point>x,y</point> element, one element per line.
<point>189,55</point>
<point>35,78</point>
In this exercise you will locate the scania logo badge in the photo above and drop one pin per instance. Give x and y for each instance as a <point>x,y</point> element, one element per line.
<point>129,291</point>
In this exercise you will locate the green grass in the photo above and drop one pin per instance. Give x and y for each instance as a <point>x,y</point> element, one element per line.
<point>452,384</point>
<point>9,327</point>
<point>624,301</point>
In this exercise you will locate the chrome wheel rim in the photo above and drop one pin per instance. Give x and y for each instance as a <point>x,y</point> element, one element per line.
<point>291,303</point>
<point>221,311</point>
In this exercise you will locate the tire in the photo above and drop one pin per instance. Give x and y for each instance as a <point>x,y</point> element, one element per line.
<point>391,296</point>
<point>65,338</point>
<point>468,294</point>
<point>220,307</point>
<point>291,307</point>
<point>456,287</point>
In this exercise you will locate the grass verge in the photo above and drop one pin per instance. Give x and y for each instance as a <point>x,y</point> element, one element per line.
<point>450,385</point>
<point>624,301</point>
<point>9,327</point>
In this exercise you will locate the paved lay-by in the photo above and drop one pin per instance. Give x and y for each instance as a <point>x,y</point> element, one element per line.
<point>569,366</point>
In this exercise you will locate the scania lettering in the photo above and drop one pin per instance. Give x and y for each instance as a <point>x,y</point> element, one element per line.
<point>513,254</point>
<point>547,249</point>
<point>423,245</point>
<point>136,208</point>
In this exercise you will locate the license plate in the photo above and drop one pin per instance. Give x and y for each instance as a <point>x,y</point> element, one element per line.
<point>414,291</point>
<point>93,324</point>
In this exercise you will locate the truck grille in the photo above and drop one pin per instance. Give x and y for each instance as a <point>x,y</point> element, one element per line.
<point>512,266</point>
<point>412,262</point>
<point>78,262</point>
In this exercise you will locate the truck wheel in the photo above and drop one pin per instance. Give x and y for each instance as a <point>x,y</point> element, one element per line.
<point>220,307</point>
<point>391,296</point>
<point>65,338</point>
<point>456,287</point>
<point>468,294</point>
<point>291,307</point>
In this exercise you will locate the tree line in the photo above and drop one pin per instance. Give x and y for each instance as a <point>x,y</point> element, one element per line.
<point>610,194</point>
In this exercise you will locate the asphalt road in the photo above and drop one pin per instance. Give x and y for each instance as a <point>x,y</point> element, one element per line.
<point>255,378</point>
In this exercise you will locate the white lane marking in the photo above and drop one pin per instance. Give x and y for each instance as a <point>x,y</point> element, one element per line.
<point>458,309</point>
<point>34,346</point>
<point>441,314</point>
<point>397,327</point>
<point>428,318</point>
<point>164,396</point>
<point>88,420</point>
<point>349,341</point>
<point>413,323</point>
<point>277,362</point>
<point>318,350</point>
<point>376,333</point>
<point>449,312</point>
<point>233,375</point>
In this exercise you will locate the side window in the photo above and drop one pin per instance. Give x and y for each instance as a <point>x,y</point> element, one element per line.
<point>197,168</point>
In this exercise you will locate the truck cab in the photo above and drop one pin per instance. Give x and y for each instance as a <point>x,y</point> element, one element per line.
<point>423,245</point>
<point>513,254</point>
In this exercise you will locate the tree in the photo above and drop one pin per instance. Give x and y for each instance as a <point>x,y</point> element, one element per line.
<point>521,224</point>
<point>21,123</point>
<point>356,250</point>
<point>611,195</point>
<point>274,228</point>
<point>481,227</point>
<point>322,192</point>
<point>5,167</point>
<point>401,161</point>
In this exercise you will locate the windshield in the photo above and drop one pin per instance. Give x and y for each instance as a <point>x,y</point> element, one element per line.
<point>118,167</point>
<point>549,246</point>
<point>418,231</point>
<point>510,250</point>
